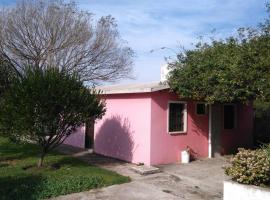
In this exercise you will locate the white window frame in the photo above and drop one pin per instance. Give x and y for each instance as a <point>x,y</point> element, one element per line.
<point>235,116</point>
<point>185,117</point>
<point>206,112</point>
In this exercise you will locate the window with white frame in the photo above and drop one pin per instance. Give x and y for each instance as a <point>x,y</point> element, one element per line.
<point>177,117</point>
<point>229,116</point>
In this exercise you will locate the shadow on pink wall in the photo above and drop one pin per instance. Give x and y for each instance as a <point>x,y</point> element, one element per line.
<point>198,125</point>
<point>115,138</point>
<point>77,138</point>
<point>195,139</point>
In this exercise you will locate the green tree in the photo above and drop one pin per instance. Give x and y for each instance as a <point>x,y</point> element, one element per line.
<point>46,107</point>
<point>7,73</point>
<point>234,69</point>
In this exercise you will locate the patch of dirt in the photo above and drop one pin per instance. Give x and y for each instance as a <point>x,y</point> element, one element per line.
<point>54,166</point>
<point>8,162</point>
<point>28,167</point>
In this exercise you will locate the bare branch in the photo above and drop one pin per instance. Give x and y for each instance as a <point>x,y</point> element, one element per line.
<point>52,33</point>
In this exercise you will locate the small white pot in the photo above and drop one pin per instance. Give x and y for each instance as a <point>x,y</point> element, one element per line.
<point>185,156</point>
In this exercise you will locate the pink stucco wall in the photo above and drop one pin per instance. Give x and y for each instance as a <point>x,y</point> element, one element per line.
<point>166,148</point>
<point>134,129</point>
<point>77,139</point>
<point>124,131</point>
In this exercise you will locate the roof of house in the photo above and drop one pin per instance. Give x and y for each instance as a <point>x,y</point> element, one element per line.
<point>133,88</point>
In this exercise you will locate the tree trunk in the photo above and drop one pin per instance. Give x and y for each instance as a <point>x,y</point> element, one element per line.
<point>41,159</point>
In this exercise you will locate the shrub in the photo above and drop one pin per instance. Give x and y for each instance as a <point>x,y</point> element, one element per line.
<point>266,148</point>
<point>46,106</point>
<point>250,167</point>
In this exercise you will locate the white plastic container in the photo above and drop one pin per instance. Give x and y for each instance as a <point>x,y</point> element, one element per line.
<point>185,156</point>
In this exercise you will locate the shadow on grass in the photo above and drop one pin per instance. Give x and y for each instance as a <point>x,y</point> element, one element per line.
<point>12,151</point>
<point>24,188</point>
<point>87,156</point>
<point>30,187</point>
<point>3,165</point>
<point>70,162</point>
<point>61,174</point>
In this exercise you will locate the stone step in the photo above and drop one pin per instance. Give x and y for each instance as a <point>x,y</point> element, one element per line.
<point>145,170</point>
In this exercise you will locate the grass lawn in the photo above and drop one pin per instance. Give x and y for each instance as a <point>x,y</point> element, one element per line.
<point>20,179</point>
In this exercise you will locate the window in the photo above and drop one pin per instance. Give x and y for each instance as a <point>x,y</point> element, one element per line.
<point>177,117</point>
<point>229,112</point>
<point>201,109</point>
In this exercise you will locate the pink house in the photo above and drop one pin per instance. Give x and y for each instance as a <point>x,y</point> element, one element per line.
<point>146,123</point>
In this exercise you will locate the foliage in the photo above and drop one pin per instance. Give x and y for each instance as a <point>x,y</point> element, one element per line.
<point>16,182</point>
<point>234,69</point>
<point>262,109</point>
<point>7,73</point>
<point>250,167</point>
<point>55,33</point>
<point>266,149</point>
<point>46,107</point>
<point>261,122</point>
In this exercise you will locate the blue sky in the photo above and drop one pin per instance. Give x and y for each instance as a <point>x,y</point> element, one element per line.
<point>152,24</point>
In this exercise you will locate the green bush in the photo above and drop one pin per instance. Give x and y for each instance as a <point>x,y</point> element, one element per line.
<point>250,167</point>
<point>266,148</point>
<point>46,106</point>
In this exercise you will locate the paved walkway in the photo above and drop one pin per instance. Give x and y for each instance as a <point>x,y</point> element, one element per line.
<point>201,179</point>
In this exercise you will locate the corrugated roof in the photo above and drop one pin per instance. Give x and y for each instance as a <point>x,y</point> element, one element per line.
<point>133,88</point>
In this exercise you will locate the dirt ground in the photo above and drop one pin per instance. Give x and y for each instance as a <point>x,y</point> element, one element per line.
<point>198,180</point>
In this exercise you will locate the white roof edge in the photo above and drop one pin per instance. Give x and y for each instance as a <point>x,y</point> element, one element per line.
<point>133,88</point>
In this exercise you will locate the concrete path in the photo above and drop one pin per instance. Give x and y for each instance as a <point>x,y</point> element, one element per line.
<point>201,179</point>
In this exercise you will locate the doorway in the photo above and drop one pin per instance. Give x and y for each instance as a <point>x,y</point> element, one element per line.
<point>89,134</point>
<point>215,130</point>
